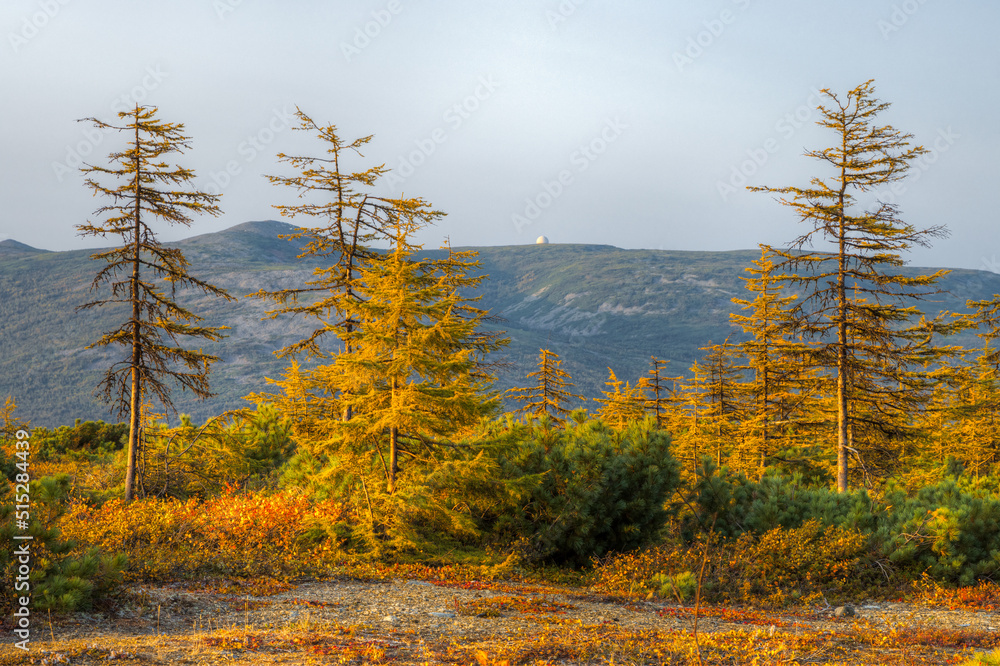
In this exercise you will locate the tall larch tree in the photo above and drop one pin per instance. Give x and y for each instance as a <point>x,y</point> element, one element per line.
<point>975,431</point>
<point>722,398</point>
<point>346,220</point>
<point>985,319</point>
<point>550,394</point>
<point>710,407</point>
<point>143,275</point>
<point>410,369</point>
<point>394,368</point>
<point>10,424</point>
<point>412,377</point>
<point>854,298</point>
<point>975,428</point>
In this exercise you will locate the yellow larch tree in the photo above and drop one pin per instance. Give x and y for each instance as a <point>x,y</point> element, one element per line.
<point>143,275</point>
<point>550,394</point>
<point>661,399</point>
<point>853,307</point>
<point>623,404</point>
<point>711,408</point>
<point>346,221</point>
<point>780,389</point>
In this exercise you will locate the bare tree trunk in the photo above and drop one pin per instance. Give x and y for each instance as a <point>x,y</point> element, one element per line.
<point>136,397</point>
<point>393,456</point>
<point>842,435</point>
<point>133,434</point>
<point>767,417</point>
<point>347,413</point>
<point>135,401</point>
<point>393,446</point>
<point>842,416</point>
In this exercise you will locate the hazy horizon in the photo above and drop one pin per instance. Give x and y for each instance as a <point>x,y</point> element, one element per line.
<point>636,124</point>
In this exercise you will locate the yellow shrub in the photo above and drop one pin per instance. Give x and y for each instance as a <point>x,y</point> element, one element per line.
<point>637,572</point>
<point>782,563</point>
<point>243,535</point>
<point>775,568</point>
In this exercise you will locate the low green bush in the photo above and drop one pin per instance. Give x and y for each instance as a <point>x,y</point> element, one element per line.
<point>730,504</point>
<point>59,580</point>
<point>595,489</point>
<point>948,530</point>
<point>682,586</point>
<point>84,438</point>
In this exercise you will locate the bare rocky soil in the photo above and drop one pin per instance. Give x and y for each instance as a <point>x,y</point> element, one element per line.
<point>403,619</point>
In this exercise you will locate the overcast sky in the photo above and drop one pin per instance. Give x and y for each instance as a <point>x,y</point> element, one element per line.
<point>635,123</point>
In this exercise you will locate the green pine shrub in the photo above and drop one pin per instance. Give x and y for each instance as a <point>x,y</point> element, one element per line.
<point>594,489</point>
<point>948,529</point>
<point>682,586</point>
<point>60,580</point>
<point>83,440</point>
<point>730,504</point>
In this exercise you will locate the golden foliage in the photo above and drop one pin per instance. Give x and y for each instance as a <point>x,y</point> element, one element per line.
<point>281,535</point>
<point>777,568</point>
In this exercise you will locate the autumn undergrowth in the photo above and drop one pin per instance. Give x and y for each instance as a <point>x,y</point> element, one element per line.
<point>782,567</point>
<point>774,545</point>
<point>265,542</point>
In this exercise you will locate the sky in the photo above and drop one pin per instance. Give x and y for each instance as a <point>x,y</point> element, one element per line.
<point>634,123</point>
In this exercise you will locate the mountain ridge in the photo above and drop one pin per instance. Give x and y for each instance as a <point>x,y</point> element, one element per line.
<point>10,247</point>
<point>594,305</point>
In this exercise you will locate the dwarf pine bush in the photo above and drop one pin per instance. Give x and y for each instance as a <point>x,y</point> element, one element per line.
<point>59,579</point>
<point>595,489</point>
<point>948,529</point>
<point>730,504</point>
<point>83,439</point>
<point>682,586</point>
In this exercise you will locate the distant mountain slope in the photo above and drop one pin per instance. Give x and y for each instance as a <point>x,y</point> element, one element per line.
<point>598,306</point>
<point>248,243</point>
<point>11,248</point>
<point>594,305</point>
